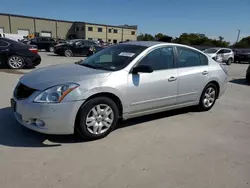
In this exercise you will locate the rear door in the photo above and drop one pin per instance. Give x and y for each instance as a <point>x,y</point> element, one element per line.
<point>192,74</point>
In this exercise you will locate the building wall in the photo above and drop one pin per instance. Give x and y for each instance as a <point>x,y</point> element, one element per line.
<point>63,29</point>
<point>46,25</point>
<point>95,35</point>
<point>21,23</point>
<point>115,36</point>
<point>127,34</point>
<point>4,23</point>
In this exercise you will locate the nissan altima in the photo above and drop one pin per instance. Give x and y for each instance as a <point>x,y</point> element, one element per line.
<point>120,82</point>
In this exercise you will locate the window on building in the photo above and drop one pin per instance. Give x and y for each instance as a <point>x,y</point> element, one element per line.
<point>132,32</point>
<point>77,28</point>
<point>159,59</point>
<point>90,28</point>
<point>109,40</point>
<point>83,28</point>
<point>110,30</point>
<point>115,31</point>
<point>190,58</point>
<point>99,29</point>
<point>114,41</point>
<point>99,39</point>
<point>90,38</point>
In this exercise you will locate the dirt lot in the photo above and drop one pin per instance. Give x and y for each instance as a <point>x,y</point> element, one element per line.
<point>180,148</point>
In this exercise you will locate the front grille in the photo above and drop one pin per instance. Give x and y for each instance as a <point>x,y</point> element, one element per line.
<point>23,92</point>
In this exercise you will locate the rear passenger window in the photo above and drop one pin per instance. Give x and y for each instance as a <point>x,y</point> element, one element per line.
<point>190,58</point>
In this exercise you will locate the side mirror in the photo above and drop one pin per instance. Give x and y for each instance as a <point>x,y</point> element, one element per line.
<point>142,68</point>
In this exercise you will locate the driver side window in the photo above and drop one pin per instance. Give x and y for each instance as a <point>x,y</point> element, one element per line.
<point>220,51</point>
<point>159,59</point>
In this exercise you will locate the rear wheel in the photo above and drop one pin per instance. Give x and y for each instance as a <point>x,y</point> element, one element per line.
<point>15,62</point>
<point>97,118</point>
<point>68,53</point>
<point>208,97</point>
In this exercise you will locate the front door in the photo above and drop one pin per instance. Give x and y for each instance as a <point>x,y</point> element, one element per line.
<point>3,51</point>
<point>78,48</point>
<point>150,91</point>
<point>193,74</point>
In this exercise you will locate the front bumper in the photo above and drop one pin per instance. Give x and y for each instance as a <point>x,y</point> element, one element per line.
<point>58,118</point>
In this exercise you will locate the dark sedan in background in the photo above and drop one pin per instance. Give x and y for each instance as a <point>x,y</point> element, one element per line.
<point>17,55</point>
<point>77,47</point>
<point>241,55</point>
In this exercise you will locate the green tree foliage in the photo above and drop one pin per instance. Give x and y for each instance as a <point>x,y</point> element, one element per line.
<point>243,43</point>
<point>187,39</point>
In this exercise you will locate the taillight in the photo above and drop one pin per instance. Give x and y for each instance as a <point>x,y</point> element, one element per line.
<point>34,50</point>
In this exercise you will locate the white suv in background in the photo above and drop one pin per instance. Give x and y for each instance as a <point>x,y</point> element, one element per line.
<point>225,55</point>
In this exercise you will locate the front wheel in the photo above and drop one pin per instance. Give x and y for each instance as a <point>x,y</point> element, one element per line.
<point>97,118</point>
<point>229,61</point>
<point>15,62</point>
<point>208,97</point>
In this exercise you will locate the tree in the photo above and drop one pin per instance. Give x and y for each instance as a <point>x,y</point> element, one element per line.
<point>243,43</point>
<point>145,37</point>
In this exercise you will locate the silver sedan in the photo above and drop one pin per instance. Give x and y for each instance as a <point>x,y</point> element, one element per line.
<point>122,81</point>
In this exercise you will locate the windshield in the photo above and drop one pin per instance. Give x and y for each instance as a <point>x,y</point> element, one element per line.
<point>73,41</point>
<point>113,58</point>
<point>210,50</point>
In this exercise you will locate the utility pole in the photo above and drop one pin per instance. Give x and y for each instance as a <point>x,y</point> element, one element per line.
<point>238,36</point>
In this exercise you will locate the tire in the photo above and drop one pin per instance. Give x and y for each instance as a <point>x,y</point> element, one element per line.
<point>207,100</point>
<point>91,125</point>
<point>68,53</point>
<point>51,49</point>
<point>15,62</point>
<point>229,61</point>
<point>248,78</point>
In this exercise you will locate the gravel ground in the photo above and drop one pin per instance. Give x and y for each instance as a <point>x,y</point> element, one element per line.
<point>180,148</point>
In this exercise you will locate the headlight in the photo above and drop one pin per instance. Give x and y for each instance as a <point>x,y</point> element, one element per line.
<point>55,94</point>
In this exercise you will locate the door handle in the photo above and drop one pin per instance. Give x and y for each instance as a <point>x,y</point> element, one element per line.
<point>205,72</point>
<point>172,79</point>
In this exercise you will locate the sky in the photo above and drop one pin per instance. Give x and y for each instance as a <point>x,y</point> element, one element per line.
<point>171,17</point>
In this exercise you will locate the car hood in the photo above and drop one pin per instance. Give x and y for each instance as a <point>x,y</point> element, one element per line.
<point>59,74</point>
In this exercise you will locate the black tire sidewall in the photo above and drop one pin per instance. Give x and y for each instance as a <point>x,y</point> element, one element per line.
<point>16,56</point>
<point>201,104</point>
<point>84,110</point>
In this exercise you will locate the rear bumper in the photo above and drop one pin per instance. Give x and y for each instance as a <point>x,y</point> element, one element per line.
<point>33,61</point>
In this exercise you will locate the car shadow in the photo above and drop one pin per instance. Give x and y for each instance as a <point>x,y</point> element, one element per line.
<point>241,81</point>
<point>156,116</point>
<point>12,134</point>
<point>12,71</point>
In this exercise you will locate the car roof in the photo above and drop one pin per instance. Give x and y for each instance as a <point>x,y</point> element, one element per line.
<point>144,43</point>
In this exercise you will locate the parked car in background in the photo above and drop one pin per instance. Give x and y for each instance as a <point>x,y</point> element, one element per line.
<point>77,47</point>
<point>42,43</point>
<point>122,81</point>
<point>17,55</point>
<point>248,74</point>
<point>241,55</point>
<point>225,55</point>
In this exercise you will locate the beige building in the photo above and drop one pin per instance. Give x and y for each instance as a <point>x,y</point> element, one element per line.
<point>24,25</point>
